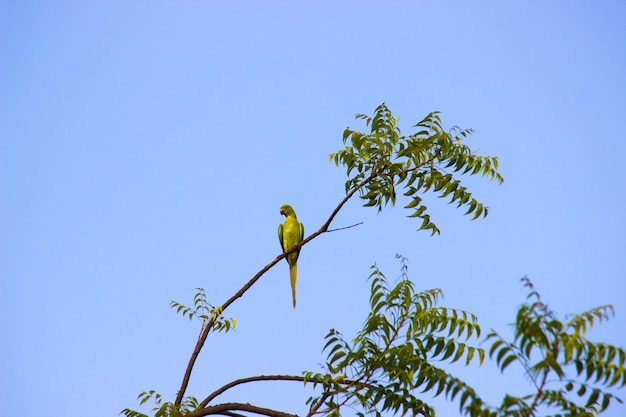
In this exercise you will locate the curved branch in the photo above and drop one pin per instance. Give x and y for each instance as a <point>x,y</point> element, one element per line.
<point>323,229</point>
<point>228,408</point>
<point>236,382</point>
<point>221,390</point>
<point>206,329</point>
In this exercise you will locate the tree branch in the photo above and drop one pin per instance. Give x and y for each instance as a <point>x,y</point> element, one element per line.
<point>316,407</point>
<point>539,390</point>
<point>346,227</point>
<point>231,414</point>
<point>236,382</point>
<point>323,229</point>
<point>205,331</point>
<point>228,408</point>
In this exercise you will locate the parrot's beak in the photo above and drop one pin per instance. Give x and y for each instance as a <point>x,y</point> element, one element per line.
<point>282,212</point>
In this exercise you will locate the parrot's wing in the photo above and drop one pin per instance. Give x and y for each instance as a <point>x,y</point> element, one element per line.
<point>280,236</point>
<point>300,237</point>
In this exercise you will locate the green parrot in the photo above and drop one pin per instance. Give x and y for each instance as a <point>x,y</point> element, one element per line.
<point>290,234</point>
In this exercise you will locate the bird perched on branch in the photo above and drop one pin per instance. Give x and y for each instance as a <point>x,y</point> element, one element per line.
<point>290,233</point>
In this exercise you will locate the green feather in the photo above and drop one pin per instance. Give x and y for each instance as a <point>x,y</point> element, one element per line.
<point>290,233</point>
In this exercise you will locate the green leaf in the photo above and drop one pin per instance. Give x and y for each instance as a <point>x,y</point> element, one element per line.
<point>382,159</point>
<point>507,361</point>
<point>593,398</point>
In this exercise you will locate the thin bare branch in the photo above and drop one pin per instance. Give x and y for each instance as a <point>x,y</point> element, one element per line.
<point>346,227</point>
<point>540,389</point>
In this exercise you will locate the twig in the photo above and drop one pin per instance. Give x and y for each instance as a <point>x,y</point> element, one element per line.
<point>540,390</point>
<point>347,227</point>
<point>316,407</point>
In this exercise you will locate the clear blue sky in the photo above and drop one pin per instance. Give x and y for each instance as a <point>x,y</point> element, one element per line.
<point>146,147</point>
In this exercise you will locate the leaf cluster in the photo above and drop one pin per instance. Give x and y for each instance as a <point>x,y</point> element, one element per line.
<point>383,159</point>
<point>390,361</point>
<point>570,373</point>
<point>161,408</point>
<point>205,312</point>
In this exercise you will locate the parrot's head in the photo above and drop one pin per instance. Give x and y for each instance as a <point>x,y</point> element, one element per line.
<point>286,210</point>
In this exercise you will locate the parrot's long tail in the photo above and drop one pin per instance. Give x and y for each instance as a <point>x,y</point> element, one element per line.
<point>293,276</point>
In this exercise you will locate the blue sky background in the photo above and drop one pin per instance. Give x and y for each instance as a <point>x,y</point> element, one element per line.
<point>146,147</point>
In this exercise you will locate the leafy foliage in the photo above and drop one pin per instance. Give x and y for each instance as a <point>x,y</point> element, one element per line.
<point>550,351</point>
<point>206,314</point>
<point>383,159</point>
<point>389,362</point>
<point>204,311</point>
<point>389,365</point>
<point>162,409</point>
